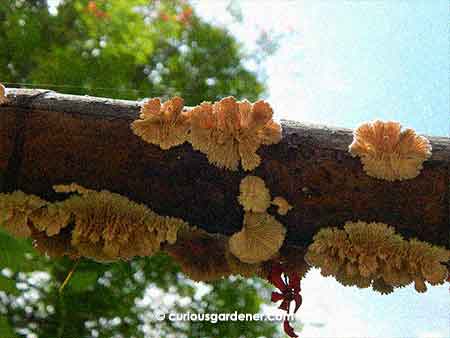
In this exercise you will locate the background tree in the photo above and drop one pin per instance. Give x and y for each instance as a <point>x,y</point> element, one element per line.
<point>122,49</point>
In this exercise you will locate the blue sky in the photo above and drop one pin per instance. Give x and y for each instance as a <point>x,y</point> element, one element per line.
<point>353,61</point>
<point>342,63</point>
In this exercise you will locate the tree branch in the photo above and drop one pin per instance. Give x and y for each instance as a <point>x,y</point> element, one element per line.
<point>67,138</point>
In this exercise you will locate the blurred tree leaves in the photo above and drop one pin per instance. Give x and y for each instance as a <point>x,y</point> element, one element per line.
<point>8,285</point>
<point>122,49</point>
<point>5,328</point>
<point>116,300</point>
<point>13,253</point>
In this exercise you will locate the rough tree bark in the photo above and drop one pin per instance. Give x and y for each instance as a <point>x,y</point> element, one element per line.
<point>48,138</point>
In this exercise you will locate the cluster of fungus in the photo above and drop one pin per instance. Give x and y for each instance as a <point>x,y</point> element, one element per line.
<point>165,125</point>
<point>15,211</point>
<point>105,226</point>
<point>249,252</point>
<point>100,225</point>
<point>389,153</point>
<point>262,235</point>
<point>365,254</point>
<point>228,131</point>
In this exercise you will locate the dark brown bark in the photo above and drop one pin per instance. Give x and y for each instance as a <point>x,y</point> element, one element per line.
<point>48,138</point>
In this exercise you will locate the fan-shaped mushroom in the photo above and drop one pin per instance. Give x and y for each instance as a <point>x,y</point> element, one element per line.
<point>165,125</point>
<point>228,131</point>
<point>260,238</point>
<point>389,153</point>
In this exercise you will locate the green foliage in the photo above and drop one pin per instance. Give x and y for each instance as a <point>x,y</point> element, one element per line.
<point>5,328</point>
<point>104,296</point>
<point>121,49</point>
<point>15,253</point>
<point>8,285</point>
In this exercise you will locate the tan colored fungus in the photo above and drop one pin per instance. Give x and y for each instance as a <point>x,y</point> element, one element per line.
<point>165,125</point>
<point>100,225</point>
<point>282,204</point>
<point>3,98</point>
<point>237,267</point>
<point>73,187</point>
<point>15,211</point>
<point>424,263</point>
<point>228,131</point>
<point>260,238</point>
<point>51,218</point>
<point>372,253</point>
<point>389,153</point>
<point>200,255</point>
<point>122,228</point>
<point>254,194</point>
<point>54,246</point>
<point>382,287</point>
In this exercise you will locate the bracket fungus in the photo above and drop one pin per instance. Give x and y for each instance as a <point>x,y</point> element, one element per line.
<point>69,188</point>
<point>15,211</point>
<point>282,204</point>
<point>165,125</point>
<point>259,240</point>
<point>389,153</point>
<point>371,253</point>
<point>262,235</point>
<point>121,228</point>
<point>228,131</point>
<point>51,218</point>
<point>254,195</point>
<point>58,245</point>
<point>101,225</point>
<point>237,267</point>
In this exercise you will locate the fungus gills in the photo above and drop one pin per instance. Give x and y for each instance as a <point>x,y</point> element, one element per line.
<point>100,225</point>
<point>164,125</point>
<point>228,131</point>
<point>262,235</point>
<point>389,153</point>
<point>15,211</point>
<point>254,195</point>
<point>371,253</point>
<point>259,240</point>
<point>237,267</point>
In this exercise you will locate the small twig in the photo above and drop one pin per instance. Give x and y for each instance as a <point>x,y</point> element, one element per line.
<point>61,288</point>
